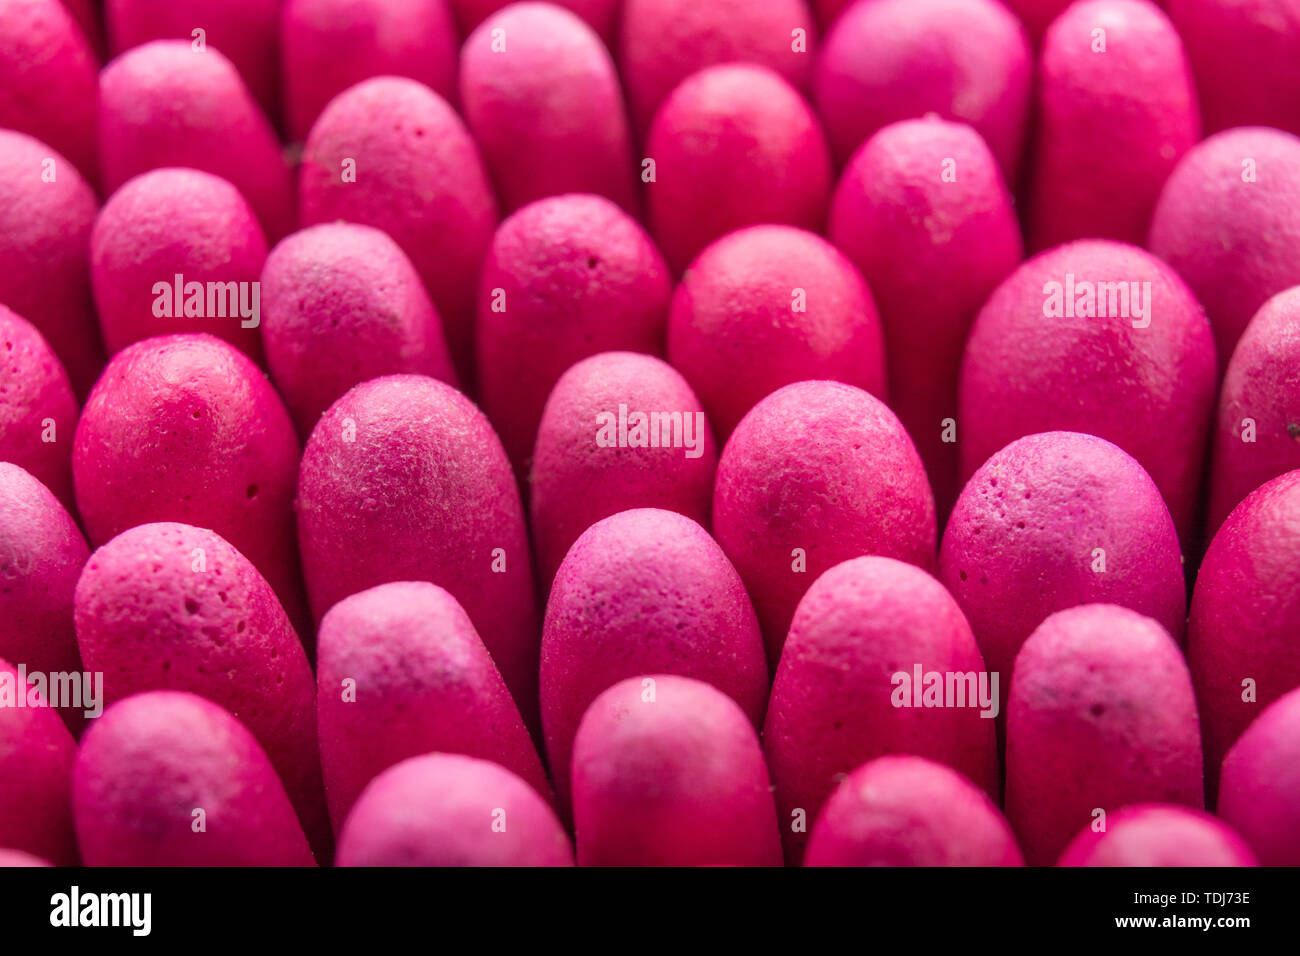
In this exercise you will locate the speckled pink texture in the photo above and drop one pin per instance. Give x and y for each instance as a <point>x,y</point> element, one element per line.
<point>1109,125</point>
<point>768,306</point>
<point>342,304</point>
<point>827,469</point>
<point>329,45</point>
<point>419,177</point>
<point>155,758</point>
<point>168,606</point>
<point>38,410</point>
<point>1236,243</point>
<point>889,60</point>
<point>404,480</point>
<point>600,15</point>
<point>576,481</point>
<point>186,428</point>
<point>931,250</point>
<point>910,811</point>
<point>1246,56</point>
<point>1158,835</point>
<point>42,553</point>
<point>421,680</point>
<point>1021,540</point>
<point>486,816</point>
<point>643,592</point>
<point>668,771</point>
<point>832,705</point>
<point>577,276</point>
<point>246,31</point>
<point>47,79</point>
<point>161,104</point>
<point>1149,390</point>
<point>45,245</point>
<point>1262,384</point>
<point>36,754</point>
<point>1245,620</point>
<point>733,145</point>
<point>1260,786</point>
<point>661,42</point>
<point>170,222</point>
<point>1101,714</point>
<point>547,110</point>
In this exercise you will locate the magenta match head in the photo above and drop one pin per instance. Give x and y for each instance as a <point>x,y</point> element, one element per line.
<point>661,42</point>
<point>1158,835</point>
<point>402,672</point>
<point>1116,108</point>
<point>178,250</point>
<point>38,410</point>
<point>927,282</point>
<point>404,480</point>
<point>1244,629</point>
<point>890,60</point>
<point>733,145</point>
<point>620,431</point>
<point>910,811</point>
<point>342,304</point>
<point>1053,521</point>
<point>768,306</point>
<point>1257,431</point>
<point>164,104</point>
<point>667,771</point>
<point>166,778</point>
<point>451,810</point>
<point>45,226</point>
<point>542,98</point>
<point>1101,714</point>
<point>329,45</point>
<point>48,79</point>
<point>391,153</point>
<point>1259,790</point>
<point>566,277</point>
<point>815,474</point>
<point>170,606</point>
<point>644,592</point>
<point>850,687</point>
<point>1228,220</point>
<point>44,553</point>
<point>186,428</point>
<point>36,755</point>
<point>246,31</point>
<point>1246,56</point>
<point>1098,337</point>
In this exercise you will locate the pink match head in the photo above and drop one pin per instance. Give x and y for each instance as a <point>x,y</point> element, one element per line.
<point>178,250</point>
<point>167,778</point>
<point>815,474</point>
<point>1098,337</point>
<point>451,810</point>
<point>768,306</point>
<point>668,771</point>
<point>402,672</point>
<point>566,277</point>
<point>733,145</point>
<point>910,811</point>
<point>645,591</point>
<point>343,304</point>
<point>620,430</point>
<point>1101,714</point>
<point>889,60</point>
<point>850,687</point>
